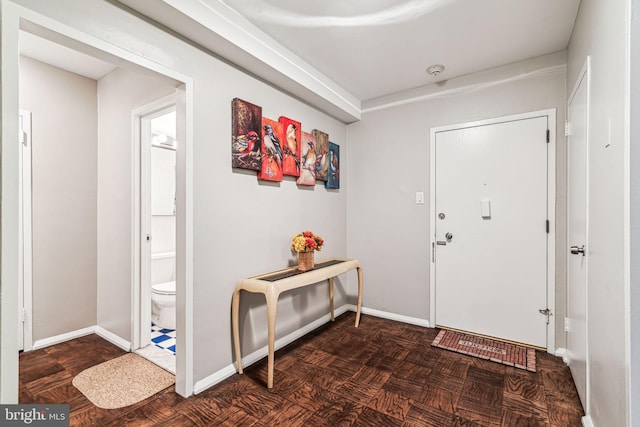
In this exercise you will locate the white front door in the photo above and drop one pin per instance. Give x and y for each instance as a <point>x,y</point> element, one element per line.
<point>577,257</point>
<point>491,230</point>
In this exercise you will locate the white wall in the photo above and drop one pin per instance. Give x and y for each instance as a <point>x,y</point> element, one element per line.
<point>119,93</point>
<point>163,230</point>
<point>243,226</point>
<point>64,157</point>
<point>240,225</point>
<point>389,162</point>
<point>600,31</point>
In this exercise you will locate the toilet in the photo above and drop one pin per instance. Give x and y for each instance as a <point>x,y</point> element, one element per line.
<point>163,305</point>
<point>163,290</point>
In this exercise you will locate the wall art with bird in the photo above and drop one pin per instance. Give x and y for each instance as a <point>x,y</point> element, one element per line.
<point>333,178</point>
<point>291,146</point>
<point>307,160</point>
<point>271,150</point>
<point>322,151</point>
<point>246,128</point>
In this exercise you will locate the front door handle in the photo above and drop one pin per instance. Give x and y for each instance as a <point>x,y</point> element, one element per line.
<point>577,250</point>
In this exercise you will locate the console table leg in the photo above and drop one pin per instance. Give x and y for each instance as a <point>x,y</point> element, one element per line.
<point>359,296</point>
<point>235,306</point>
<point>331,297</point>
<point>272,305</point>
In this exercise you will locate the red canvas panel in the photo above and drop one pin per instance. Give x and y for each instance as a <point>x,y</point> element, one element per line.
<point>271,151</point>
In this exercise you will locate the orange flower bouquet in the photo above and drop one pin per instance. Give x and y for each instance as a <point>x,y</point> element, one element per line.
<point>305,244</point>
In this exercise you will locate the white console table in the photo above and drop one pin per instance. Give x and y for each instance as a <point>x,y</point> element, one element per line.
<point>274,283</point>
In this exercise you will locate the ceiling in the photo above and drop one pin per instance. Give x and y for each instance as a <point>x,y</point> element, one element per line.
<point>377,47</point>
<point>45,50</point>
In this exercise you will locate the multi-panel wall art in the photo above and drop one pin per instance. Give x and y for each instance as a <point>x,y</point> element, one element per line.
<point>278,148</point>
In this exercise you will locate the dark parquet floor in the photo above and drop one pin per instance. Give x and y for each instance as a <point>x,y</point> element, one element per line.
<point>383,373</point>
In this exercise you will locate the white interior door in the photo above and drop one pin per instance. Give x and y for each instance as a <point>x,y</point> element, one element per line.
<point>577,257</point>
<point>491,229</point>
<point>142,119</point>
<point>25,339</point>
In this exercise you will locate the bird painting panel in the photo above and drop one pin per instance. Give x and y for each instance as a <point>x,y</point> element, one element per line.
<point>307,159</point>
<point>333,179</point>
<point>291,146</point>
<point>322,152</point>
<point>271,150</point>
<point>246,124</point>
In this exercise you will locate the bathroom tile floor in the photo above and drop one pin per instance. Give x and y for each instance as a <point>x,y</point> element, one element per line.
<point>164,338</point>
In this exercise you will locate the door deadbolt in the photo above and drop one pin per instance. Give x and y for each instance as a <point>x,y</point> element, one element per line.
<point>441,215</point>
<point>576,250</point>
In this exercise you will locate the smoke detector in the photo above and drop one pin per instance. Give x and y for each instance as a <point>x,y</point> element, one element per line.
<point>435,70</point>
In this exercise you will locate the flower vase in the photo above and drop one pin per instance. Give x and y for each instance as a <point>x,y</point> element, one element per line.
<point>305,261</point>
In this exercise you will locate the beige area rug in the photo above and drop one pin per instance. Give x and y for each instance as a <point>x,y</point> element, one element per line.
<point>122,381</point>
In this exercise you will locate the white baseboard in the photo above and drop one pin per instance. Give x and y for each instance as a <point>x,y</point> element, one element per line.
<point>393,316</point>
<point>46,342</point>
<point>109,336</point>
<point>562,352</point>
<point>113,338</point>
<point>259,354</point>
<point>587,421</point>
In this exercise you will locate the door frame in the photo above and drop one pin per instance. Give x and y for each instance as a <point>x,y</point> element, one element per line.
<point>14,18</point>
<point>25,253</point>
<point>141,175</point>
<point>583,78</point>
<point>551,213</point>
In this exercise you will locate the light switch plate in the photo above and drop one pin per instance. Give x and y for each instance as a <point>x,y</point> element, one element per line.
<point>419,198</point>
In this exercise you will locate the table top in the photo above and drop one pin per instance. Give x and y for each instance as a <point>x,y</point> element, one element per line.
<point>283,274</point>
<point>291,278</point>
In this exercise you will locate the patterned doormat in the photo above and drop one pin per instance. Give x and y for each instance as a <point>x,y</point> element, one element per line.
<point>488,349</point>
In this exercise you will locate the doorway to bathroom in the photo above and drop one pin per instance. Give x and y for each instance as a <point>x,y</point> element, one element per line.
<point>106,302</point>
<point>156,133</point>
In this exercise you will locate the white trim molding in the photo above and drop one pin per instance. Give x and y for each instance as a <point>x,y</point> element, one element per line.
<point>393,316</point>
<point>587,421</point>
<point>113,338</point>
<point>107,335</point>
<point>564,354</point>
<point>261,353</point>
